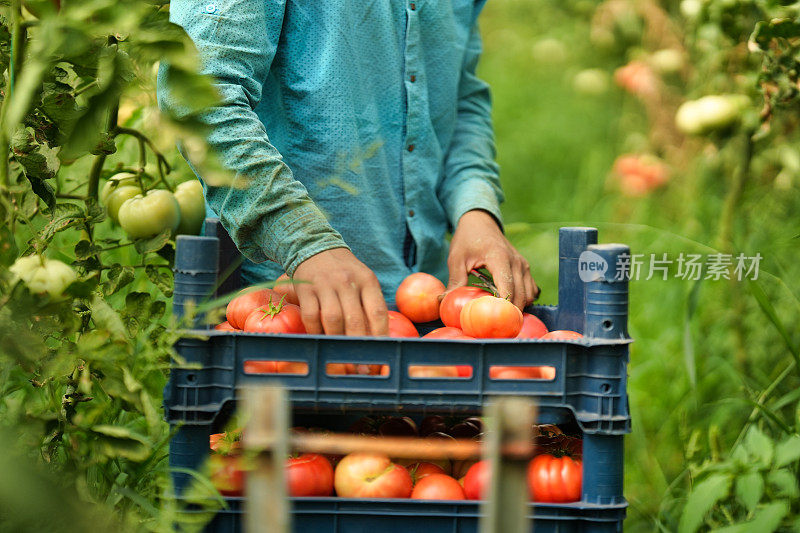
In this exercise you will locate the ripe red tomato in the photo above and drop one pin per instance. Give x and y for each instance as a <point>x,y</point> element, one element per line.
<point>476,480</point>
<point>423,469</point>
<point>240,307</point>
<point>532,327</point>
<point>400,326</point>
<point>438,487</point>
<point>227,474</point>
<point>371,475</point>
<point>309,475</point>
<point>453,302</point>
<point>491,317</point>
<point>283,287</point>
<point>225,326</point>
<point>446,332</point>
<point>417,297</point>
<point>555,479</point>
<point>272,318</point>
<point>562,334</point>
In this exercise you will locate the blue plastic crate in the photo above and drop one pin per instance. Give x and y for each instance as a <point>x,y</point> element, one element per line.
<point>589,388</point>
<point>339,515</point>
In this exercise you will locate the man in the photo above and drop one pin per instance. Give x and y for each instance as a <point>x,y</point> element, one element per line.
<point>359,135</point>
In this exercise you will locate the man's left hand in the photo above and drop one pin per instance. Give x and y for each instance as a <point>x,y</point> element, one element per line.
<point>478,243</point>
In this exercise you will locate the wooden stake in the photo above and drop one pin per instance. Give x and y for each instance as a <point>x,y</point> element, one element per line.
<point>509,422</point>
<point>265,440</point>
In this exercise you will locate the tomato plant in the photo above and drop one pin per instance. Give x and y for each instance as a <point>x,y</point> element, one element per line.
<point>417,297</point>
<point>454,301</point>
<point>491,317</point>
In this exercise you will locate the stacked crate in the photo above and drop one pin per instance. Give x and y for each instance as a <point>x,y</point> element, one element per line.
<point>589,390</point>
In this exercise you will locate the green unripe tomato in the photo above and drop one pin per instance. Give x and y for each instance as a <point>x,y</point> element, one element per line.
<point>667,61</point>
<point>591,82</point>
<point>146,216</point>
<point>710,113</point>
<point>42,275</point>
<point>189,195</point>
<point>117,189</point>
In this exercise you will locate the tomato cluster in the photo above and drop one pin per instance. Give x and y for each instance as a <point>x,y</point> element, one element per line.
<point>146,213</point>
<point>554,474</point>
<point>467,312</point>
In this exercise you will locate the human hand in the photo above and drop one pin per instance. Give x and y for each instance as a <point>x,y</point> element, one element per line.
<point>477,243</point>
<point>340,295</point>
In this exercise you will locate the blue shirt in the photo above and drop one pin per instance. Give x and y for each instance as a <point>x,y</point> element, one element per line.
<point>346,123</point>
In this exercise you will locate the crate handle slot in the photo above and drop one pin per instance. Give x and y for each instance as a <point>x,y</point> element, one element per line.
<point>527,373</point>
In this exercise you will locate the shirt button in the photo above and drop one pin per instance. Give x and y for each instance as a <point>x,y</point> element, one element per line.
<point>211,8</point>
<point>413,78</point>
<point>411,212</point>
<point>410,147</point>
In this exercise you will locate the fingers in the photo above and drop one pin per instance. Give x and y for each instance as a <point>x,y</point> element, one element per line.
<point>499,265</point>
<point>459,273</point>
<point>330,312</point>
<point>309,311</point>
<point>355,323</point>
<point>520,270</point>
<point>375,309</point>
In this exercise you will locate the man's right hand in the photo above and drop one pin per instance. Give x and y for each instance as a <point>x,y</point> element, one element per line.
<point>340,295</point>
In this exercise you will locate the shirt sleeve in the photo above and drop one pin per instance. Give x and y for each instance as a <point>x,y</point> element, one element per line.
<point>471,175</point>
<point>267,212</point>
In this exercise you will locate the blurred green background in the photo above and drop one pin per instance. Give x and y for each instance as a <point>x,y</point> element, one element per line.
<point>702,350</point>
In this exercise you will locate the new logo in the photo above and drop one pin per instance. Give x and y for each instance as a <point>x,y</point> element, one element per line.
<point>591,266</point>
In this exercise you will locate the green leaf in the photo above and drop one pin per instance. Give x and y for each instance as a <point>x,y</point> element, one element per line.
<point>84,249</point>
<point>703,497</point>
<point>766,520</point>
<point>784,482</point>
<point>82,288</point>
<point>759,446</point>
<point>105,317</point>
<point>8,246</point>
<point>116,441</point>
<point>154,244</point>
<point>43,190</point>
<point>161,278</point>
<point>64,216</point>
<point>118,277</point>
<point>749,489</point>
<point>768,309</point>
<point>787,451</point>
<point>94,211</point>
